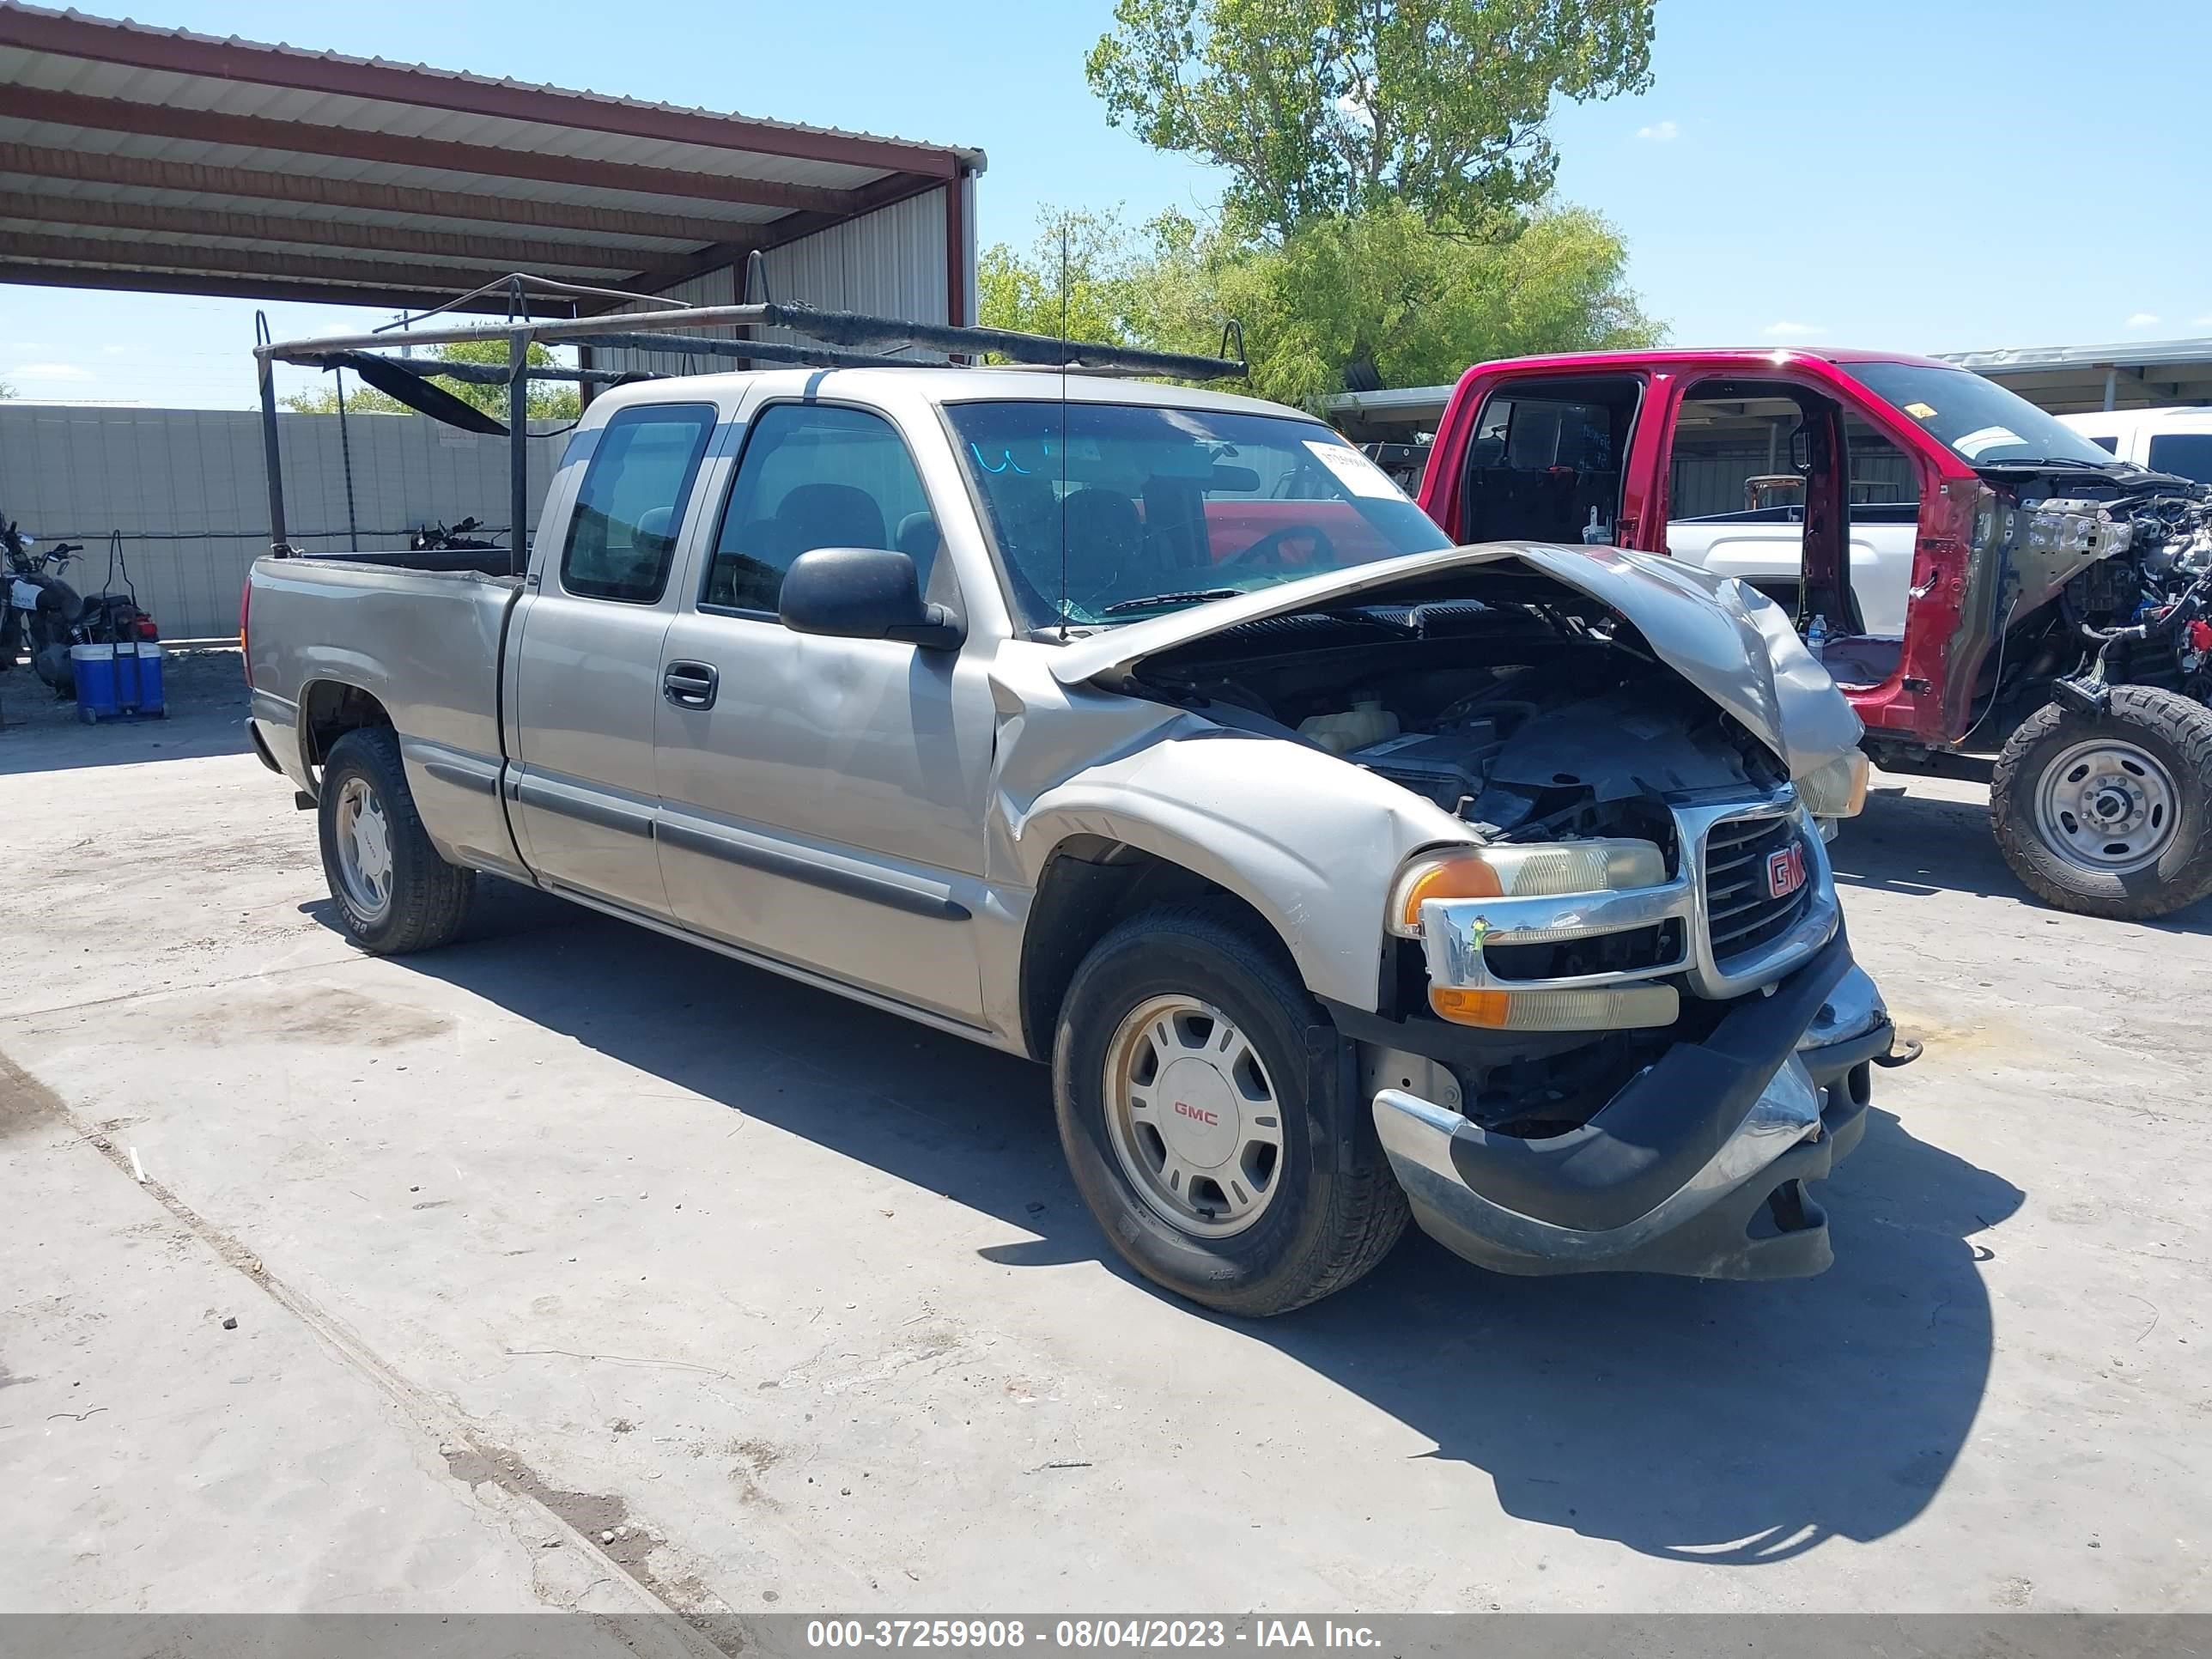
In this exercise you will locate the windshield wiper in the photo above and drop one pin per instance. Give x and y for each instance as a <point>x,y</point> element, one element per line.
<point>1191,596</point>
<point>2035,463</point>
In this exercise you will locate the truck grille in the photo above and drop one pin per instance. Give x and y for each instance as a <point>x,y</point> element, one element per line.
<point>1740,914</point>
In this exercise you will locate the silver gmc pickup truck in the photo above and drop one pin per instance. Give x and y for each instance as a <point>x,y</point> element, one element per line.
<point>1338,874</point>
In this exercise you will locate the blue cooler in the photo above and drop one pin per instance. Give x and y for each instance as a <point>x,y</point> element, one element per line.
<point>94,668</point>
<point>116,680</point>
<point>138,677</point>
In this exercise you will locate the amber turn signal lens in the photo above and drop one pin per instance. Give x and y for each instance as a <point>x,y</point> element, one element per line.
<point>1490,1008</point>
<point>1455,878</point>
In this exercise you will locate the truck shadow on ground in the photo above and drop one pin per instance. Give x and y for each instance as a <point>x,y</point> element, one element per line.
<point>1702,1422</point>
<point>1920,844</point>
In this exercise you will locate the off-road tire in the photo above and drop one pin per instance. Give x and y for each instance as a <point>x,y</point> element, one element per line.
<point>2179,732</point>
<point>1340,1208</point>
<point>429,898</point>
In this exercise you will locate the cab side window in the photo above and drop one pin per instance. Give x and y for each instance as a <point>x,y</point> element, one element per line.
<point>1547,460</point>
<point>2189,453</point>
<point>816,476</point>
<point>629,509</point>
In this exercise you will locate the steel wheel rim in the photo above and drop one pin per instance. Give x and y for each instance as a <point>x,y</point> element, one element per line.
<point>2107,807</point>
<point>1194,1116</point>
<point>363,840</point>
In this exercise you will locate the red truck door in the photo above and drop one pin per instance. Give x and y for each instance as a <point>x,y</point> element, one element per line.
<point>1542,455</point>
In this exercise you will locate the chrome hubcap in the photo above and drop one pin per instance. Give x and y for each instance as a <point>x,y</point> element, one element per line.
<point>1194,1116</point>
<point>364,848</point>
<point>2107,807</point>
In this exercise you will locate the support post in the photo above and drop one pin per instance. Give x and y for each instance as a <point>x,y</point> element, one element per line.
<point>518,451</point>
<point>270,458</point>
<point>345,453</point>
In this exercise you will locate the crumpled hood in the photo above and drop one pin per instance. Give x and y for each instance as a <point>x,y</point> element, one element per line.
<point>1726,638</point>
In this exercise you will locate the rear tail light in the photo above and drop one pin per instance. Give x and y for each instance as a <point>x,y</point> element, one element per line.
<point>146,628</point>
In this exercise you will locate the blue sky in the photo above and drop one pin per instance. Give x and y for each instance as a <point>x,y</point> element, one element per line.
<point>1944,175</point>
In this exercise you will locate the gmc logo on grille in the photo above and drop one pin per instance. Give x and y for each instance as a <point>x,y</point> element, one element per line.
<point>1785,871</point>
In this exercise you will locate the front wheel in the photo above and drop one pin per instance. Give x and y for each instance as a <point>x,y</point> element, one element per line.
<point>394,893</point>
<point>1210,1118</point>
<point>2110,815</point>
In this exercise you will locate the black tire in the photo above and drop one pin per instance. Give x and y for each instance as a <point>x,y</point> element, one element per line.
<point>1337,1210</point>
<point>429,902</point>
<point>2172,729</point>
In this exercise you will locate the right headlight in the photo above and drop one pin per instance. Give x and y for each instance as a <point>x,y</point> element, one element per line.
<point>1537,870</point>
<point>1839,789</point>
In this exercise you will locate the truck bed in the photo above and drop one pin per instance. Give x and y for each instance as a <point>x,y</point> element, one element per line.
<point>425,643</point>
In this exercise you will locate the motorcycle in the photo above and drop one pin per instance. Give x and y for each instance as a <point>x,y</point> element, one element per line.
<point>38,610</point>
<point>433,537</point>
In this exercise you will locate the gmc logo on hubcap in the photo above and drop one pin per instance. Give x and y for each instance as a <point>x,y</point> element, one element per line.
<point>1785,871</point>
<point>1184,1109</point>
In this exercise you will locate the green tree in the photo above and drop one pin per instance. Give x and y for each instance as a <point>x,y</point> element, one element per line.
<point>1088,258</point>
<point>550,400</point>
<point>1376,298</point>
<point>1379,298</point>
<point>1323,108</point>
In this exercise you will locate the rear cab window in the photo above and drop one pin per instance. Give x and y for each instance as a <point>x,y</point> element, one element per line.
<point>629,508</point>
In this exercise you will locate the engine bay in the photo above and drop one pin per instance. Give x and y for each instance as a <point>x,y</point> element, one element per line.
<point>1531,721</point>
<point>2129,571</point>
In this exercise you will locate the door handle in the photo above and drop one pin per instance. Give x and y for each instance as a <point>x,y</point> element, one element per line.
<point>690,684</point>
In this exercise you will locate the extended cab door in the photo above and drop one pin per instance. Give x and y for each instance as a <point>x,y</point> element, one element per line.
<point>1549,457</point>
<point>584,689</point>
<point>822,800</point>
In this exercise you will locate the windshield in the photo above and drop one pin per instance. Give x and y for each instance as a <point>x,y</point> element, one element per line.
<point>1158,507</point>
<point>1978,420</point>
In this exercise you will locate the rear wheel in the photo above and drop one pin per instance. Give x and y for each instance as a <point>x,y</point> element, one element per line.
<point>1210,1118</point>
<point>2110,815</point>
<point>394,893</point>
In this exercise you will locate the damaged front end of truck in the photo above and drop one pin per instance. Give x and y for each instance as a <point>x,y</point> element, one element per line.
<point>1614,1022</point>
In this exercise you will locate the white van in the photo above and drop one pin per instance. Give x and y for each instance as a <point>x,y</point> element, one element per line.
<point>2176,440</point>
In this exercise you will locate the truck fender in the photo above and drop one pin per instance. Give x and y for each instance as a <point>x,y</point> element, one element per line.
<point>1311,843</point>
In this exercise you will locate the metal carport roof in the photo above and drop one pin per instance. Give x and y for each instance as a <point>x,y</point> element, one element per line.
<point>162,160</point>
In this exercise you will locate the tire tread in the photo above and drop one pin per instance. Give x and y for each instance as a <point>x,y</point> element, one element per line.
<point>2186,727</point>
<point>1368,1208</point>
<point>430,898</point>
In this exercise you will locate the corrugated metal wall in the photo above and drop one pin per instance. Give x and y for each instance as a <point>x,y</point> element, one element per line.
<point>890,262</point>
<point>188,490</point>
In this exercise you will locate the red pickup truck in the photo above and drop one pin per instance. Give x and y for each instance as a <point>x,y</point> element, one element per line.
<point>2055,606</point>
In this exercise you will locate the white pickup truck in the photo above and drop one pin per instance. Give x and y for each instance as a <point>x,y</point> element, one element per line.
<point>1764,546</point>
<point>1337,872</point>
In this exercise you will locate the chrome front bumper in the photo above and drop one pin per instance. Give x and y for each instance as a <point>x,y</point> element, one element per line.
<point>1456,933</point>
<point>1675,1172</point>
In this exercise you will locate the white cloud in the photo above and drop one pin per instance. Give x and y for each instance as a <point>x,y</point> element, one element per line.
<point>2200,322</point>
<point>1659,132</point>
<point>51,372</point>
<point>114,350</point>
<point>2143,320</point>
<point>1793,331</point>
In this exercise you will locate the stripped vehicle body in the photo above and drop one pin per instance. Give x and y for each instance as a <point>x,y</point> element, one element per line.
<point>1530,830</point>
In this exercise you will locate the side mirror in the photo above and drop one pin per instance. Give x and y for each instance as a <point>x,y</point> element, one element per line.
<point>864,593</point>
